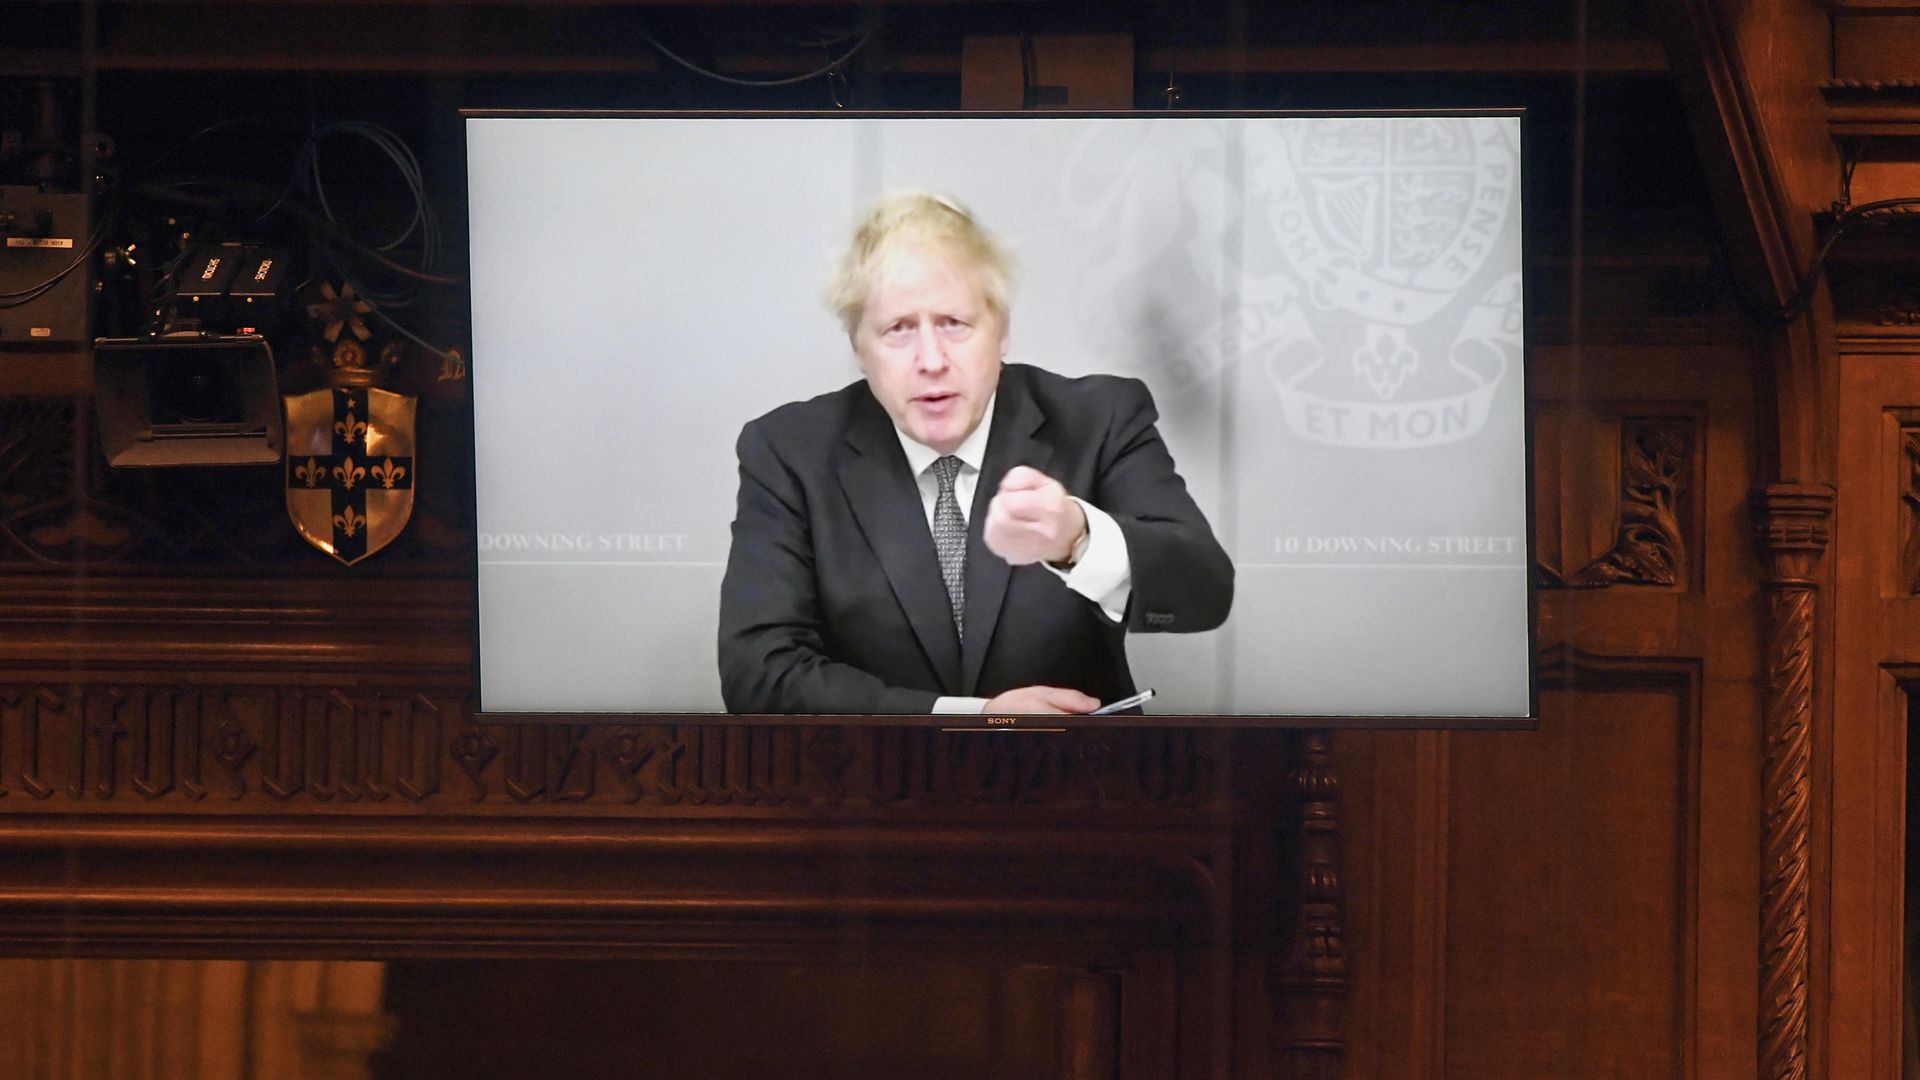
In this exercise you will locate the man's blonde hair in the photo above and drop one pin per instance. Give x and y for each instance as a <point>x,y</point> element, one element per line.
<point>917,221</point>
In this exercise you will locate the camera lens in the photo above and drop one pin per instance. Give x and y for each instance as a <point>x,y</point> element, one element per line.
<point>193,386</point>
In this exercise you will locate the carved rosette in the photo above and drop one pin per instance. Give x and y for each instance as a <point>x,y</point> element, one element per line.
<point>1793,531</point>
<point>1313,981</point>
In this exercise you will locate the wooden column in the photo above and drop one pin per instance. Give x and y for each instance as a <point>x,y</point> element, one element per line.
<point>1313,980</point>
<point>1791,522</point>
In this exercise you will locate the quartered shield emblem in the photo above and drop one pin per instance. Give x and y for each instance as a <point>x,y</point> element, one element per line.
<point>350,468</point>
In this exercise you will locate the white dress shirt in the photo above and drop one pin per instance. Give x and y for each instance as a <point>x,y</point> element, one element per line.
<point>1101,570</point>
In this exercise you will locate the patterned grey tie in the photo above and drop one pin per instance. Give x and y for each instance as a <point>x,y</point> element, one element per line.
<point>950,539</point>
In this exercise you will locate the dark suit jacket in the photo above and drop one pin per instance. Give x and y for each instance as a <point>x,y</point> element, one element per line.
<point>833,601</point>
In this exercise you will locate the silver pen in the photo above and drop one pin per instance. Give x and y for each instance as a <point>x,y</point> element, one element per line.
<point>1124,703</point>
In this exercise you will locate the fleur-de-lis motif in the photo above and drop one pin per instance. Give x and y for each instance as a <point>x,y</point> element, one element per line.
<point>1386,361</point>
<point>349,522</point>
<point>349,429</point>
<point>348,474</point>
<point>388,473</point>
<point>311,472</point>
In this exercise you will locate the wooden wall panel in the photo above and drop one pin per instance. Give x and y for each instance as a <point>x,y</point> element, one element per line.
<point>1876,667</point>
<point>1583,900</point>
<point>927,1018</point>
<point>1567,916</point>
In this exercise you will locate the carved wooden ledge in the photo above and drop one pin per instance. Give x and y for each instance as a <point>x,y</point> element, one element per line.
<point>221,765</point>
<point>229,812</point>
<point>1792,525</point>
<point>1873,108</point>
<point>393,887</point>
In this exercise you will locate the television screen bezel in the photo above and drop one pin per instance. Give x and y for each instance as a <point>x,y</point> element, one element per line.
<point>1053,723</point>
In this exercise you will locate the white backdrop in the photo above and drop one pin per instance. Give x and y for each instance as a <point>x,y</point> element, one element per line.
<point>1326,309</point>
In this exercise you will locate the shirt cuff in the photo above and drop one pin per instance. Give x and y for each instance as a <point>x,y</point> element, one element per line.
<point>959,706</point>
<point>1103,573</point>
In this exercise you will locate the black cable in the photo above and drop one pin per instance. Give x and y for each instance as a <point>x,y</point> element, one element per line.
<point>221,125</point>
<point>324,222</point>
<point>1802,295</point>
<point>307,177</point>
<point>30,296</point>
<point>364,251</point>
<point>21,297</point>
<point>379,310</point>
<point>408,165</point>
<point>312,217</point>
<point>825,39</point>
<point>404,161</point>
<point>832,65</point>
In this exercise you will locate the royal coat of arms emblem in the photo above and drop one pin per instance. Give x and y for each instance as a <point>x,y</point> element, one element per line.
<point>1366,266</point>
<point>1388,224</point>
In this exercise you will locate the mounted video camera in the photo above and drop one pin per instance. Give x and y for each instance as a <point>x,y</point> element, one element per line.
<point>200,389</point>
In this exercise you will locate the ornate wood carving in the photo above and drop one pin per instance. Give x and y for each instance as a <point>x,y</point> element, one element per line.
<point>171,745</point>
<point>1792,526</point>
<point>1313,980</point>
<point>1650,541</point>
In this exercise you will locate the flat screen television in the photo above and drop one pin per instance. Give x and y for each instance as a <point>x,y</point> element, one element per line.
<point>1326,309</point>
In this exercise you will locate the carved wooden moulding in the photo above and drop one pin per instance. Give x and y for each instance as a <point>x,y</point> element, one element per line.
<point>336,820</point>
<point>165,745</point>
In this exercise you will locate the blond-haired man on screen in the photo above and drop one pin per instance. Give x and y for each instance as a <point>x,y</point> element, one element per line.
<point>953,533</point>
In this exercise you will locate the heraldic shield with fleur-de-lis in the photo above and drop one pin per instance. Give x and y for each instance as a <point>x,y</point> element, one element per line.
<point>350,468</point>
